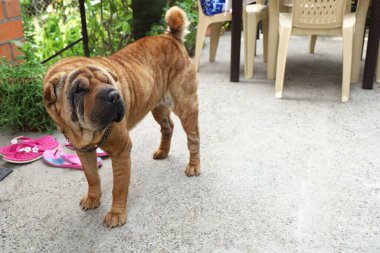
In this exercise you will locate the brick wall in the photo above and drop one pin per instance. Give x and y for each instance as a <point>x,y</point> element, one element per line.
<point>10,28</point>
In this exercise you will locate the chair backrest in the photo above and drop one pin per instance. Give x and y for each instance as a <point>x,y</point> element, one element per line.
<point>318,14</point>
<point>289,3</point>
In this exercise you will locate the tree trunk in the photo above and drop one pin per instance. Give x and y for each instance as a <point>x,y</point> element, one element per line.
<point>145,14</point>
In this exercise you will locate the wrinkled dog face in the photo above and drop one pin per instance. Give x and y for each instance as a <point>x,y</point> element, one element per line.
<point>84,99</point>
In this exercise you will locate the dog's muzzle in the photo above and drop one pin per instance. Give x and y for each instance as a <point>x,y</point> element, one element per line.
<point>115,99</point>
<point>109,107</point>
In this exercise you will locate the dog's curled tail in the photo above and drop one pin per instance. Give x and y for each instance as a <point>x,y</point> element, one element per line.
<point>178,23</point>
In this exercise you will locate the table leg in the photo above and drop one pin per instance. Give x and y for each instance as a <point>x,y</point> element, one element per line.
<point>237,9</point>
<point>373,46</point>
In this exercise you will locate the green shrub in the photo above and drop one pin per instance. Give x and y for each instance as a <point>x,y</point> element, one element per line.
<point>56,24</point>
<point>109,25</point>
<point>51,29</point>
<point>21,105</point>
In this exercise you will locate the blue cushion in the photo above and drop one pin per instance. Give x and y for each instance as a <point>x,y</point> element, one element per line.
<point>211,7</point>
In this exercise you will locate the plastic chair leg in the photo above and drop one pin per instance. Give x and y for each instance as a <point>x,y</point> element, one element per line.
<point>201,32</point>
<point>250,45</point>
<point>265,39</point>
<point>312,41</point>
<point>272,42</point>
<point>348,37</point>
<point>216,28</point>
<point>285,33</point>
<point>361,18</point>
<point>245,32</point>
<point>357,52</point>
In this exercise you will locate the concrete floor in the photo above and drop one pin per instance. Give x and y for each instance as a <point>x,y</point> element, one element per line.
<point>301,174</point>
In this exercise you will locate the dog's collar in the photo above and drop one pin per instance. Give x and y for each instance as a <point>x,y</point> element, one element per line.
<point>93,148</point>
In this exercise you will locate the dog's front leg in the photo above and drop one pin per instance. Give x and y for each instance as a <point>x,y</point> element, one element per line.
<point>121,166</point>
<point>92,199</point>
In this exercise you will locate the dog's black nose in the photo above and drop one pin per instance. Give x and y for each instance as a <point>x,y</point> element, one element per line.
<point>114,97</point>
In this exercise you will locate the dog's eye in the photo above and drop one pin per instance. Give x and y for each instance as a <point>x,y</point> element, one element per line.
<point>101,77</point>
<point>81,86</point>
<point>79,89</point>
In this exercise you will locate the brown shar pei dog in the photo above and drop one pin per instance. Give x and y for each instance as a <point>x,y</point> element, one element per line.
<point>97,101</point>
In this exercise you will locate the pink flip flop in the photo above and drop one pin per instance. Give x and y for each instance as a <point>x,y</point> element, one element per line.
<point>45,142</point>
<point>58,158</point>
<point>24,153</point>
<point>99,152</point>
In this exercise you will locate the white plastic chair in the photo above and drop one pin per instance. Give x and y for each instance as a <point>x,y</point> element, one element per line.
<point>361,17</point>
<point>252,15</point>
<point>216,22</point>
<point>316,17</point>
<point>313,38</point>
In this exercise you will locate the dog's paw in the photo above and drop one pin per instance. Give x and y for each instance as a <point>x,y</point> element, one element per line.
<point>89,202</point>
<point>193,170</point>
<point>160,154</point>
<point>113,219</point>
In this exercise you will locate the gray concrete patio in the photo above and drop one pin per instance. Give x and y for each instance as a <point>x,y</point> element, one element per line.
<point>301,174</point>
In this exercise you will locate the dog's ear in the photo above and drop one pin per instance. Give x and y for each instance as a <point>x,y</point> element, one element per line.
<point>53,87</point>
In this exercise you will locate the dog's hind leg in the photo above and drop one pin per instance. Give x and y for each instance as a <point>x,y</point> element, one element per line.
<point>187,111</point>
<point>161,114</point>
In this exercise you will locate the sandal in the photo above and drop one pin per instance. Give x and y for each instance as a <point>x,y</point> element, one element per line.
<point>23,153</point>
<point>99,152</point>
<point>58,158</point>
<point>45,142</point>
